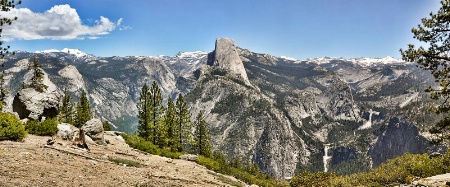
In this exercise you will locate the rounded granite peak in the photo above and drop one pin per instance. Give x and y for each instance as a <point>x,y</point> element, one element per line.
<point>225,56</point>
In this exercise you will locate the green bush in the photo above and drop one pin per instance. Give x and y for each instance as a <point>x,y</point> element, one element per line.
<point>170,154</point>
<point>138,142</point>
<point>47,127</point>
<point>209,163</point>
<point>312,179</point>
<point>11,128</point>
<point>106,126</point>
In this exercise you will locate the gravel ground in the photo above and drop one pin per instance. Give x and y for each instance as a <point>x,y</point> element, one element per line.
<point>30,163</point>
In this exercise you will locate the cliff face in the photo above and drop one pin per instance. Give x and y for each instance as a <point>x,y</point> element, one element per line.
<point>225,56</point>
<point>399,137</point>
<point>273,111</point>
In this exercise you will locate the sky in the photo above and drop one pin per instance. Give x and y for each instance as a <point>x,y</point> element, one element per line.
<point>294,28</point>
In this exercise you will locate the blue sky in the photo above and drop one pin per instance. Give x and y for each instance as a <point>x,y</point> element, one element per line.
<point>293,28</point>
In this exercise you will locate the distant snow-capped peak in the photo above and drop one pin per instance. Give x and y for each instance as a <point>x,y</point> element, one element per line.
<point>370,61</point>
<point>75,52</point>
<point>288,58</point>
<point>359,61</point>
<point>195,54</point>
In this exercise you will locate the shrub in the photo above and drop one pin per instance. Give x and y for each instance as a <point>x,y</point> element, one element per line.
<point>170,154</point>
<point>209,163</point>
<point>311,179</point>
<point>47,127</point>
<point>11,128</point>
<point>106,126</point>
<point>140,143</point>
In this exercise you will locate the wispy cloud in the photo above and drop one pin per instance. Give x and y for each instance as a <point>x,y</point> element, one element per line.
<point>61,22</point>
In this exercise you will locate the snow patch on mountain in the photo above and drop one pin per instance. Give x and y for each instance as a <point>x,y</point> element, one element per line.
<point>288,58</point>
<point>365,62</point>
<point>75,52</point>
<point>195,54</point>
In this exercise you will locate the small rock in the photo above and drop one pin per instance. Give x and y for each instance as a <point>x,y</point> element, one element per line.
<point>50,142</point>
<point>93,162</point>
<point>435,154</point>
<point>189,157</point>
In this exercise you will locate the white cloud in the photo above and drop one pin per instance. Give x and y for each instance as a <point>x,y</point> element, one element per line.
<point>61,22</point>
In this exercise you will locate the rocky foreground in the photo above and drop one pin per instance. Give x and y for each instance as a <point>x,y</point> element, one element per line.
<point>34,163</point>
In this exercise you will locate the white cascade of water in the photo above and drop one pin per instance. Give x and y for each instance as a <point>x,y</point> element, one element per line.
<point>326,157</point>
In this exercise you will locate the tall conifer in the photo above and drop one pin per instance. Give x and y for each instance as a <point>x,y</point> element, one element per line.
<point>183,124</point>
<point>202,141</point>
<point>170,123</point>
<point>84,113</point>
<point>144,112</point>
<point>66,114</point>
<point>157,133</point>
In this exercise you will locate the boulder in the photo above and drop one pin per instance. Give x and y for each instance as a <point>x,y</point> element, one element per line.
<point>67,131</point>
<point>189,157</point>
<point>89,140</point>
<point>94,129</point>
<point>29,103</point>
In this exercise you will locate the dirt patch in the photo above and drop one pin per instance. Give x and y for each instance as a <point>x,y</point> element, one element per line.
<point>30,163</point>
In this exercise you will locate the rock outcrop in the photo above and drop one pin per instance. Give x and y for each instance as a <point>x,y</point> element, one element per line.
<point>29,103</point>
<point>94,129</point>
<point>226,57</point>
<point>67,131</point>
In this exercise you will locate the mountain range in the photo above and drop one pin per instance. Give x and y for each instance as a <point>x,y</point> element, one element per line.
<point>278,112</point>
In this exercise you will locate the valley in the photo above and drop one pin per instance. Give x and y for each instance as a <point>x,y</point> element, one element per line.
<point>274,111</point>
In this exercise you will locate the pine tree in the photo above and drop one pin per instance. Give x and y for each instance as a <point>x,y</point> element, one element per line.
<point>435,33</point>
<point>3,92</point>
<point>6,6</point>
<point>202,142</point>
<point>144,112</point>
<point>157,131</point>
<point>183,124</point>
<point>38,76</point>
<point>170,123</point>
<point>84,113</point>
<point>66,114</point>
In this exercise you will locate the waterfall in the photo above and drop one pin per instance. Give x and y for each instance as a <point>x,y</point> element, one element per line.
<point>326,157</point>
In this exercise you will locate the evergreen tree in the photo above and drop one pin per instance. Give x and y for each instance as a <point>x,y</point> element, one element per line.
<point>66,114</point>
<point>106,126</point>
<point>38,76</point>
<point>84,113</point>
<point>183,124</point>
<point>435,32</point>
<point>170,123</point>
<point>144,112</point>
<point>202,142</point>
<point>3,91</point>
<point>6,6</point>
<point>157,130</point>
